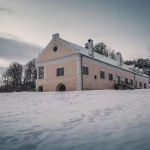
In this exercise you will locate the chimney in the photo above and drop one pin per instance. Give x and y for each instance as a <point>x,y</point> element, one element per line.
<point>56,35</point>
<point>119,61</point>
<point>109,53</point>
<point>90,47</point>
<point>86,45</point>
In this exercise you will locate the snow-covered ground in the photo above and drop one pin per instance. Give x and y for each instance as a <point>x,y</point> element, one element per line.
<point>89,120</point>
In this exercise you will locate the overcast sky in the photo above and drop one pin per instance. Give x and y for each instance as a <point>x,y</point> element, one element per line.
<point>26,26</point>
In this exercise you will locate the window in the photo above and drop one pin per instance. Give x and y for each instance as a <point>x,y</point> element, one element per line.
<point>136,83</point>
<point>41,72</point>
<point>119,79</point>
<point>131,82</point>
<point>145,86</point>
<point>110,77</point>
<point>85,70</point>
<point>140,84</point>
<point>102,74</point>
<point>126,80</point>
<point>55,48</point>
<point>60,71</point>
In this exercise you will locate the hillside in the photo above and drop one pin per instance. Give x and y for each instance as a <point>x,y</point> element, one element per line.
<point>89,120</point>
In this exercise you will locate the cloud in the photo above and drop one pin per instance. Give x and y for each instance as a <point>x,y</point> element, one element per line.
<point>4,63</point>
<point>16,51</point>
<point>7,10</point>
<point>8,36</point>
<point>2,69</point>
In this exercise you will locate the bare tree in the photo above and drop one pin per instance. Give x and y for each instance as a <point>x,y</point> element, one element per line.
<point>18,77</point>
<point>30,75</point>
<point>101,48</point>
<point>14,74</point>
<point>113,55</point>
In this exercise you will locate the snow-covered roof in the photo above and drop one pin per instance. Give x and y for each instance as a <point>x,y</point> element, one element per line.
<point>98,57</point>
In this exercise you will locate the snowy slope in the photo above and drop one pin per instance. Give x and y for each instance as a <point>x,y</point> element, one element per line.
<point>89,120</point>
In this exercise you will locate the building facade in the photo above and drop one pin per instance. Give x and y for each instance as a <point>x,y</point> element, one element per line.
<point>63,65</point>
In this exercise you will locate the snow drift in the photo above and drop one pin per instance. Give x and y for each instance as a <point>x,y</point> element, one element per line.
<point>107,120</point>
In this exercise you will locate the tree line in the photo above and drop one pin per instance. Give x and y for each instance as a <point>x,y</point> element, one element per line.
<point>102,49</point>
<point>141,63</point>
<point>18,77</point>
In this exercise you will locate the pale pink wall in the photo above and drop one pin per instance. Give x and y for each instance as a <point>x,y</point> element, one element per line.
<point>94,69</point>
<point>143,80</point>
<point>89,83</point>
<point>49,54</point>
<point>55,61</point>
<point>69,78</point>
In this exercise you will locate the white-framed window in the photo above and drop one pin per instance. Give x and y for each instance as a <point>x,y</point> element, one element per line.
<point>85,70</point>
<point>126,81</point>
<point>131,81</point>
<point>110,76</point>
<point>41,72</point>
<point>102,74</point>
<point>60,72</point>
<point>140,84</point>
<point>145,86</point>
<point>136,83</point>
